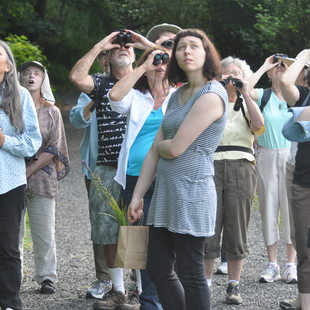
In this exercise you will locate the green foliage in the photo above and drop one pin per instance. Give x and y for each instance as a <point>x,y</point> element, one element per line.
<point>66,30</point>
<point>24,50</point>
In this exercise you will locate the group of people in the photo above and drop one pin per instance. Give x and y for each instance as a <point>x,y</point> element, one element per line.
<point>172,138</point>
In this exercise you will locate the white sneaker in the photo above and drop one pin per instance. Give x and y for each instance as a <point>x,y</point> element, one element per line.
<point>222,268</point>
<point>9,309</point>
<point>98,289</point>
<point>271,274</point>
<point>290,274</point>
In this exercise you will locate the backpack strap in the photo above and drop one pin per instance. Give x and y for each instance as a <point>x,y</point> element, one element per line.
<point>104,83</point>
<point>265,99</point>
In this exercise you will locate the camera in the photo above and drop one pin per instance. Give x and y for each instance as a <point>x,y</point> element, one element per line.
<point>277,57</point>
<point>236,82</point>
<point>164,58</point>
<point>168,44</point>
<point>123,38</point>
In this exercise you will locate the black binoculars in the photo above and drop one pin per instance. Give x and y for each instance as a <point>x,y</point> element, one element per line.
<point>168,44</point>
<point>236,82</point>
<point>164,58</point>
<point>123,38</point>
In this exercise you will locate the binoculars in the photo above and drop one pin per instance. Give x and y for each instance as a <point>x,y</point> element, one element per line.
<point>164,58</point>
<point>123,38</point>
<point>278,56</point>
<point>236,82</point>
<point>168,44</point>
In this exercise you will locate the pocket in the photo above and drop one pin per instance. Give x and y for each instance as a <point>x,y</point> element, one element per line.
<point>246,180</point>
<point>194,190</point>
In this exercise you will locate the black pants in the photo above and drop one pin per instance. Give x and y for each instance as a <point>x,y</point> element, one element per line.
<point>187,289</point>
<point>11,206</point>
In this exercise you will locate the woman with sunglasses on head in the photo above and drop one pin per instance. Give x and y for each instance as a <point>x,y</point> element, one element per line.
<point>183,207</point>
<point>142,95</point>
<point>272,154</point>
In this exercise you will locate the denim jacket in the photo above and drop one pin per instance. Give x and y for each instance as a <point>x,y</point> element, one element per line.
<point>298,131</point>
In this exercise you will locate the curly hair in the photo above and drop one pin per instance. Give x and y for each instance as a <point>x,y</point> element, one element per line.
<point>9,88</point>
<point>211,68</point>
<point>244,67</point>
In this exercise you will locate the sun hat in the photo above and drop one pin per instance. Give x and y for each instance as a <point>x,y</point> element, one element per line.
<point>153,33</point>
<point>46,86</point>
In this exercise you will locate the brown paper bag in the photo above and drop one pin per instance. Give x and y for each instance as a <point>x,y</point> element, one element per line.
<point>132,247</point>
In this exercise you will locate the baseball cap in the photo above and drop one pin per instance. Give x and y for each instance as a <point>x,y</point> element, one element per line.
<point>157,29</point>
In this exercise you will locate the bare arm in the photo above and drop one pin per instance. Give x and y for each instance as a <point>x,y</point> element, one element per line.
<point>147,175</point>
<point>255,115</point>
<point>252,81</point>
<point>79,74</point>
<point>287,82</point>
<point>43,159</point>
<point>305,115</point>
<point>125,84</point>
<point>207,109</point>
<point>139,41</point>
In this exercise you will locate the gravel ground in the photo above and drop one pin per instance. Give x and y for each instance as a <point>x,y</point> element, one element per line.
<point>75,259</point>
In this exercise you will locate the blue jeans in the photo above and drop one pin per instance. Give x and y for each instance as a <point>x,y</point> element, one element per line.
<point>148,298</point>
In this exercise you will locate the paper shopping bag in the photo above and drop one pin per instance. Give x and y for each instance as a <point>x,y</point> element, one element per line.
<point>132,247</point>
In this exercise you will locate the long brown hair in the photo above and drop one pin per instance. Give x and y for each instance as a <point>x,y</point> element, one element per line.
<point>10,88</point>
<point>142,84</point>
<point>212,66</point>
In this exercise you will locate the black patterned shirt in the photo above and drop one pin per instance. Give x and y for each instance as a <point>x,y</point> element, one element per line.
<point>111,125</point>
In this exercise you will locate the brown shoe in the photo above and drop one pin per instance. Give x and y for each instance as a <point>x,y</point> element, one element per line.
<point>132,304</point>
<point>110,300</point>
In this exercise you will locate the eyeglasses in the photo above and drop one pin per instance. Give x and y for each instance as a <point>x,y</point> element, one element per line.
<point>168,44</point>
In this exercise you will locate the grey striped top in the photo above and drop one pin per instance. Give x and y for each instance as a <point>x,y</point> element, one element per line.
<point>184,199</point>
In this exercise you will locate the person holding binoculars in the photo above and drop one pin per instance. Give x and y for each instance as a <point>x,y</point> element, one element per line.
<point>273,151</point>
<point>234,176</point>
<point>143,96</point>
<point>183,206</point>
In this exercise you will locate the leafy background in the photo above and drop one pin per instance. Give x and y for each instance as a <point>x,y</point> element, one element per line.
<point>59,32</point>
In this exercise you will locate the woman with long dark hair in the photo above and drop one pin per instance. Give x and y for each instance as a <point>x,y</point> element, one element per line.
<point>183,206</point>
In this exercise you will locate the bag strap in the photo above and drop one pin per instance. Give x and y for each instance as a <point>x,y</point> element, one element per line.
<point>265,99</point>
<point>103,84</point>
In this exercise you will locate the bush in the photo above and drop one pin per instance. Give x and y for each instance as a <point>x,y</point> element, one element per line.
<point>24,50</point>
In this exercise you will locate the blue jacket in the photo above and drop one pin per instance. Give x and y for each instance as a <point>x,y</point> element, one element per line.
<point>89,144</point>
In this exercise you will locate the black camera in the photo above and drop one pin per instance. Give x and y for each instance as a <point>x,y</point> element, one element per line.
<point>168,44</point>
<point>123,38</point>
<point>164,58</point>
<point>236,82</point>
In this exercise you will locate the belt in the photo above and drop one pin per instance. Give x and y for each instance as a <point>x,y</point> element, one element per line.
<point>225,148</point>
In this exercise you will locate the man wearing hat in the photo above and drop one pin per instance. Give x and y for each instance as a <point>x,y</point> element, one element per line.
<point>44,170</point>
<point>163,34</point>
